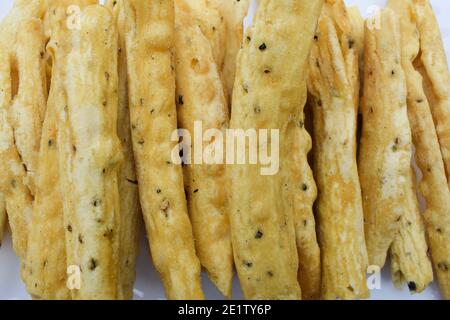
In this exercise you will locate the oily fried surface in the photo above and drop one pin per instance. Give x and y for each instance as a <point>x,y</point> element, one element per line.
<point>151,82</point>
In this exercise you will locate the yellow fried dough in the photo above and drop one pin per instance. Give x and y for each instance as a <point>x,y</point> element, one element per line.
<point>409,252</point>
<point>357,27</point>
<point>201,98</point>
<point>89,152</point>
<point>128,189</point>
<point>3,220</point>
<point>63,14</point>
<point>304,193</point>
<point>28,107</point>
<point>233,13</point>
<point>45,268</point>
<point>21,10</point>
<point>270,93</point>
<point>151,82</point>
<point>433,185</point>
<point>18,199</point>
<point>339,204</point>
<point>436,73</point>
<point>212,23</point>
<point>45,272</point>
<point>385,151</point>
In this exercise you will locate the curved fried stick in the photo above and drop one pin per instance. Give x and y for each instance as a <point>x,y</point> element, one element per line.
<point>151,83</point>
<point>270,93</point>
<point>409,252</point>
<point>436,75</point>
<point>89,152</point>
<point>128,188</point>
<point>333,68</point>
<point>385,152</point>
<point>201,98</point>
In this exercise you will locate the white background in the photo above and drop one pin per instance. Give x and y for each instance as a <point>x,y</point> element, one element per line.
<point>148,284</point>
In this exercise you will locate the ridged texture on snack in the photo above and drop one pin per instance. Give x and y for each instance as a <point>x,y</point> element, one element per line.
<point>333,74</point>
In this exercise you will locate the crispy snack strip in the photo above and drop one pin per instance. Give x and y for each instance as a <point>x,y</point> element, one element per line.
<point>21,10</point>
<point>151,84</point>
<point>233,13</point>
<point>212,23</point>
<point>28,107</point>
<point>357,27</point>
<point>89,152</point>
<point>409,252</point>
<point>436,73</point>
<point>45,271</point>
<point>201,99</point>
<point>45,268</point>
<point>62,14</point>
<point>304,193</point>
<point>385,152</point>
<point>269,93</point>
<point>3,220</point>
<point>339,205</point>
<point>18,199</point>
<point>128,189</point>
<point>357,24</point>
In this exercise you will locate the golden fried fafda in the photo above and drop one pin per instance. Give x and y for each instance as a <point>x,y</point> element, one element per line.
<point>149,41</point>
<point>270,93</point>
<point>89,152</point>
<point>45,273</point>
<point>24,103</point>
<point>128,189</point>
<point>436,75</point>
<point>3,220</point>
<point>28,106</point>
<point>332,71</point>
<point>201,98</point>
<point>233,13</point>
<point>385,151</point>
<point>409,252</point>
<point>212,23</point>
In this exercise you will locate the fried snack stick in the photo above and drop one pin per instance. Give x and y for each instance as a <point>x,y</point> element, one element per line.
<point>339,205</point>
<point>233,13</point>
<point>3,220</point>
<point>304,194</point>
<point>385,152</point>
<point>435,72</point>
<point>62,14</point>
<point>151,82</point>
<point>15,180</point>
<point>269,93</point>
<point>18,199</point>
<point>212,24</point>
<point>21,10</point>
<point>201,98</point>
<point>357,27</point>
<point>409,252</point>
<point>89,152</point>
<point>28,107</point>
<point>128,189</point>
<point>349,44</point>
<point>428,156</point>
<point>46,268</point>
